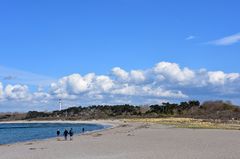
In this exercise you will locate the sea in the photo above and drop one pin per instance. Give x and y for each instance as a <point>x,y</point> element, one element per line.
<point>20,132</point>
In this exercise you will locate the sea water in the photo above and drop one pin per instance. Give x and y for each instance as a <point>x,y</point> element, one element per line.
<point>19,132</point>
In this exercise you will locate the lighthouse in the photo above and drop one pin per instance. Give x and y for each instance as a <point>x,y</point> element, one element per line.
<point>60,104</point>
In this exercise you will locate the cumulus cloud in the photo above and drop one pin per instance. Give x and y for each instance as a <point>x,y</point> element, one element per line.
<point>17,92</point>
<point>104,83</point>
<point>220,78</point>
<point>72,85</point>
<point>120,73</point>
<point>137,76</point>
<point>228,40</point>
<point>172,72</point>
<point>164,81</point>
<point>21,93</point>
<point>132,76</point>
<point>75,84</point>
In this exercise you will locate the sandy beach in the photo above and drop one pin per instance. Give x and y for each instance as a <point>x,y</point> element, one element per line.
<point>133,141</point>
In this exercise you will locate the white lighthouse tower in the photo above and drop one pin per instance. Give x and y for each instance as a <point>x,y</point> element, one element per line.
<point>60,104</point>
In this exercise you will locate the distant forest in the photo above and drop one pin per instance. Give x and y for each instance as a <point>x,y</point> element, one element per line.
<point>194,109</point>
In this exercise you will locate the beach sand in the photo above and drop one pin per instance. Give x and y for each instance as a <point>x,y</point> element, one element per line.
<point>128,140</point>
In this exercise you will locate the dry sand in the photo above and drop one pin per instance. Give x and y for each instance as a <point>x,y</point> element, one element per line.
<point>133,141</point>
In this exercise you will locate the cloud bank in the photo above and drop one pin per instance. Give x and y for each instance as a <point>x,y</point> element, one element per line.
<point>164,81</point>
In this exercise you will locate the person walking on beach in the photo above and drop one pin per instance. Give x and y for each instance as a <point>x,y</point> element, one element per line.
<point>58,133</point>
<point>71,134</point>
<point>65,133</point>
<point>83,130</point>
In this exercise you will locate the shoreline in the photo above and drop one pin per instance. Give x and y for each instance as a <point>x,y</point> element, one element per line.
<point>103,122</point>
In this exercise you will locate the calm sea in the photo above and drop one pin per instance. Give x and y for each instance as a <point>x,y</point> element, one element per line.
<point>19,132</point>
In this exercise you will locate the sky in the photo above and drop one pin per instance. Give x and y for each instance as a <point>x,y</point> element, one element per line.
<point>117,52</point>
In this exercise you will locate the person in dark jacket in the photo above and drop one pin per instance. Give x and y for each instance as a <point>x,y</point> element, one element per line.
<point>83,130</point>
<point>71,134</point>
<point>58,133</point>
<point>65,133</point>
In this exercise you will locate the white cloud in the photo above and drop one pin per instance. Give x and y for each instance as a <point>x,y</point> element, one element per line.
<point>148,91</point>
<point>159,92</point>
<point>70,87</point>
<point>228,40</point>
<point>120,73</point>
<point>104,82</point>
<point>172,72</point>
<point>17,92</point>
<point>232,76</point>
<point>132,76</point>
<point>20,93</point>
<point>73,84</point>
<point>40,96</point>
<point>137,75</point>
<point>216,77</point>
<point>220,78</point>
<point>190,37</point>
<point>126,90</point>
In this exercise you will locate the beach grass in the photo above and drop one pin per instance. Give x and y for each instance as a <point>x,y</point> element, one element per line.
<point>188,123</point>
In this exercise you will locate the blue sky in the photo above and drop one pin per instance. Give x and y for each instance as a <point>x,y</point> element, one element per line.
<point>43,41</point>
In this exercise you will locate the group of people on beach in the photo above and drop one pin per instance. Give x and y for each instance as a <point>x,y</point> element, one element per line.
<point>66,133</point>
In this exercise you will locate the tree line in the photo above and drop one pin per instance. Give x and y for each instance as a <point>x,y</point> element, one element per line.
<point>207,110</point>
